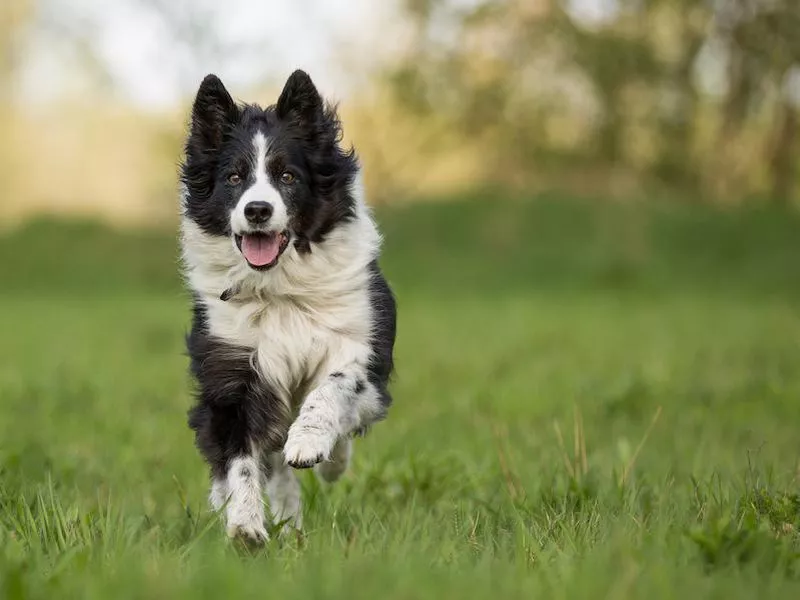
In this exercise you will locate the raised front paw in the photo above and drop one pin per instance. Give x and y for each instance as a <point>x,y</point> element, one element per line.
<point>307,445</point>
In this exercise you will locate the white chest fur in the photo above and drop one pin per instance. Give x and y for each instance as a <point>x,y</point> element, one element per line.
<point>306,317</point>
<point>296,344</point>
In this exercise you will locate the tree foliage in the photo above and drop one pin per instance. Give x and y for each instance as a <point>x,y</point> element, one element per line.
<point>698,95</point>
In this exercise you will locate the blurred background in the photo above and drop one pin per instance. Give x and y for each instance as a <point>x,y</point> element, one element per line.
<point>590,211</point>
<point>686,99</point>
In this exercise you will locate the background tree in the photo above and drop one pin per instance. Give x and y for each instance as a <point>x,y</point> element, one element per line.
<point>637,83</point>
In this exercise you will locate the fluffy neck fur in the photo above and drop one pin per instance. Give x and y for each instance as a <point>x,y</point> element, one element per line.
<point>335,267</point>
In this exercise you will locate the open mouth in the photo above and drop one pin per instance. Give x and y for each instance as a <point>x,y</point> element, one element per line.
<point>262,250</point>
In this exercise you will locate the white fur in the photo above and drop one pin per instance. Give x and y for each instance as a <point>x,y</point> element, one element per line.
<point>262,191</point>
<point>331,411</point>
<point>244,511</point>
<point>306,318</point>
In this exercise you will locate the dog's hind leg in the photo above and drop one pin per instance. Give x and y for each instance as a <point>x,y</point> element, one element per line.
<point>283,491</point>
<point>333,468</point>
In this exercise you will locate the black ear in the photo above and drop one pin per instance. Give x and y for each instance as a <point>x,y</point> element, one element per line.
<point>213,112</point>
<point>299,99</point>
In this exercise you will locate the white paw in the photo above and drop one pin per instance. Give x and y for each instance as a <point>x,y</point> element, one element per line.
<point>252,532</point>
<point>306,446</point>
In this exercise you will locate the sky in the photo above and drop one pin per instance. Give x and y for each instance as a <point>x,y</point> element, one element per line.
<point>154,53</point>
<point>142,54</point>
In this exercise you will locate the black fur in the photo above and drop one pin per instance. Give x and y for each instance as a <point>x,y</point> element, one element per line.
<point>384,311</point>
<point>234,405</point>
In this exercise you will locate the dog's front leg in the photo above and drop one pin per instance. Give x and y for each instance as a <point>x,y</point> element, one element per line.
<point>233,458</point>
<point>240,493</point>
<point>235,418</point>
<point>344,403</point>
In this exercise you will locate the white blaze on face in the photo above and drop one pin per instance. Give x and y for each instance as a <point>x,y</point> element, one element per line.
<point>260,191</point>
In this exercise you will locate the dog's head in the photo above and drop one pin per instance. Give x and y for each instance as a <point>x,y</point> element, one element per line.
<point>267,178</point>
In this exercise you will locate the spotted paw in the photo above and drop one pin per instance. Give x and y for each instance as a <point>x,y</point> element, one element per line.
<point>306,447</point>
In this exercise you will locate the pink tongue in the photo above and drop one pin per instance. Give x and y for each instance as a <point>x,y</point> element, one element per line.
<point>260,250</point>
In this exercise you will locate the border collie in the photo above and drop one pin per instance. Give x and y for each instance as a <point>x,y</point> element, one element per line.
<point>293,329</point>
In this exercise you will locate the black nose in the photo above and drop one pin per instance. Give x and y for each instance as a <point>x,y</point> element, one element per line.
<point>257,212</point>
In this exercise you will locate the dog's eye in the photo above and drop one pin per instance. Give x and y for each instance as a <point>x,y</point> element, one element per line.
<point>234,179</point>
<point>287,177</point>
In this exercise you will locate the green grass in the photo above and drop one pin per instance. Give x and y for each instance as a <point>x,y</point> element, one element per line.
<point>665,339</point>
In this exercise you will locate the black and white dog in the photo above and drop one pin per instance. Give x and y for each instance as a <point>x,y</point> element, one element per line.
<point>294,325</point>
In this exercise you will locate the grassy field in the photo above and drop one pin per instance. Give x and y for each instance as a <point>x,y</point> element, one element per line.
<point>591,401</point>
